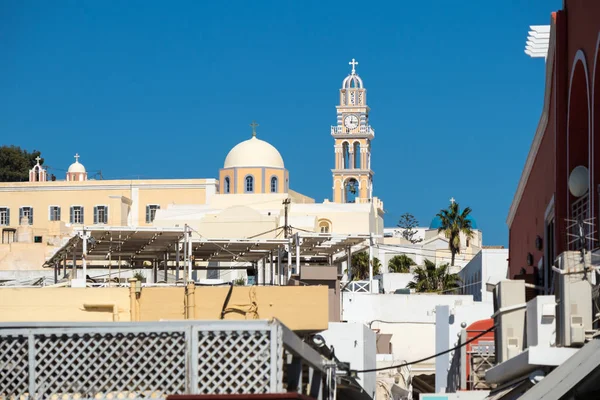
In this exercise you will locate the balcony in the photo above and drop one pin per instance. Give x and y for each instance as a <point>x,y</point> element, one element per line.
<point>342,131</point>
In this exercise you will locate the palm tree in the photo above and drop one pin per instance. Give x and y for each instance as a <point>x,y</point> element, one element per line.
<point>401,263</point>
<point>360,266</point>
<point>430,278</point>
<point>453,222</point>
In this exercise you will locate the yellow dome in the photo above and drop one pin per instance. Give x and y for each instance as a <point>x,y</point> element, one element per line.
<point>254,153</point>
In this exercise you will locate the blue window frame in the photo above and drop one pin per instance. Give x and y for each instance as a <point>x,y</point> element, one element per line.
<point>249,184</point>
<point>274,184</point>
<point>227,185</point>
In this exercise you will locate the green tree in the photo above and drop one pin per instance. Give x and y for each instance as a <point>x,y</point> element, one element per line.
<point>401,263</point>
<point>453,222</point>
<point>15,163</point>
<point>360,266</point>
<point>408,223</point>
<point>430,278</point>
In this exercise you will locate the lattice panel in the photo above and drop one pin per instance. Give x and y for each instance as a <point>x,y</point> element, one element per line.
<point>234,362</point>
<point>107,365</point>
<point>14,366</point>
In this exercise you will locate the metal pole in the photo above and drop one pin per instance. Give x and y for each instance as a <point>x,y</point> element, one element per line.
<point>190,255</point>
<point>166,266</point>
<point>279,276</point>
<point>371,263</point>
<point>185,249</point>
<point>349,262</point>
<point>83,256</point>
<point>297,238</point>
<point>272,269</point>
<point>177,255</point>
<point>289,259</point>
<point>65,266</point>
<point>74,272</point>
<point>55,272</point>
<point>155,271</point>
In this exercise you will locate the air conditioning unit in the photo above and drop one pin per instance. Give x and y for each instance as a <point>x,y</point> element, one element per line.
<point>509,318</point>
<point>541,321</point>
<point>573,299</point>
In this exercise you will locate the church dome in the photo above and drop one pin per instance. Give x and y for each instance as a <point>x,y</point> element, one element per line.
<point>254,153</point>
<point>436,222</point>
<point>76,166</point>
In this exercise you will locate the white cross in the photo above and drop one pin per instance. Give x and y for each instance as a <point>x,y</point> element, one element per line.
<point>77,157</point>
<point>452,200</point>
<point>354,63</point>
<point>38,159</point>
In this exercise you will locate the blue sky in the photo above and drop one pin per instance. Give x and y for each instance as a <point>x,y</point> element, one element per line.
<point>164,89</point>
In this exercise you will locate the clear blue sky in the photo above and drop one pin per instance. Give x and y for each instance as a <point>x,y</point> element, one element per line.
<point>165,89</point>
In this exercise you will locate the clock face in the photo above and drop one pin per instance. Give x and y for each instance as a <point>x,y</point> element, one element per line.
<point>351,121</point>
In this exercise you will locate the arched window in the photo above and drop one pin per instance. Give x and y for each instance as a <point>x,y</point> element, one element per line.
<point>274,184</point>
<point>249,184</point>
<point>227,185</point>
<point>324,226</point>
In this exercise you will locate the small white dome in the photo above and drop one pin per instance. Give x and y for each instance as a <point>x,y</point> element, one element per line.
<point>77,166</point>
<point>254,153</point>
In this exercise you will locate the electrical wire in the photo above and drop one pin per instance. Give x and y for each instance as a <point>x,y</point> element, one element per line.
<point>406,364</point>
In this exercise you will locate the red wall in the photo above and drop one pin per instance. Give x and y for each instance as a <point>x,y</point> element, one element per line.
<point>577,28</point>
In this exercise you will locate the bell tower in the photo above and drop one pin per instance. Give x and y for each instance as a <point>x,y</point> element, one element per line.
<point>352,175</point>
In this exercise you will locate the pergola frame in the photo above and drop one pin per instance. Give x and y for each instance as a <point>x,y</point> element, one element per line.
<point>180,249</point>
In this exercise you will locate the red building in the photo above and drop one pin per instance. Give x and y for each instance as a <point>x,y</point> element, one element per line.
<point>567,137</point>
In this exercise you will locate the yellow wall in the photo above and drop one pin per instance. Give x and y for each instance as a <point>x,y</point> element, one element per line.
<point>126,199</point>
<point>262,179</point>
<point>156,303</point>
<point>61,304</point>
<point>299,308</point>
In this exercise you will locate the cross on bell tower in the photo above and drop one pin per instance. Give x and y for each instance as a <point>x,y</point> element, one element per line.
<point>352,174</point>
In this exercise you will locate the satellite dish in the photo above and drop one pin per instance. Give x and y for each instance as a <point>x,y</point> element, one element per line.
<point>579,181</point>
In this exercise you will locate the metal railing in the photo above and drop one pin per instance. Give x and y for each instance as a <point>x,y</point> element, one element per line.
<point>157,359</point>
<point>339,130</point>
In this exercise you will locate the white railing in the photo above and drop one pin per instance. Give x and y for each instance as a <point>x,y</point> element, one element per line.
<point>342,130</point>
<point>362,287</point>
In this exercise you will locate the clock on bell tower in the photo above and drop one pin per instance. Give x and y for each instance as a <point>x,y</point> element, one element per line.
<point>352,175</point>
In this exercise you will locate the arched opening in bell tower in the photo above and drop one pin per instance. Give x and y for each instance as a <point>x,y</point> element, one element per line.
<point>356,155</point>
<point>346,155</point>
<point>350,190</point>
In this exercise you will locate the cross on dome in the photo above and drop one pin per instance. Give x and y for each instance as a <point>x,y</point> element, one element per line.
<point>77,157</point>
<point>354,63</point>
<point>254,125</point>
<point>38,159</point>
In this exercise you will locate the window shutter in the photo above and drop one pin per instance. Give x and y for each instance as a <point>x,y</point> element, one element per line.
<point>58,214</point>
<point>82,215</point>
<point>105,214</point>
<point>30,215</point>
<point>8,216</point>
<point>71,215</point>
<point>148,214</point>
<point>95,214</point>
<point>20,214</point>
<point>49,213</point>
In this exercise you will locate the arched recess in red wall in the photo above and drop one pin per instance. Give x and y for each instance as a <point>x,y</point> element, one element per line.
<point>578,120</point>
<point>595,163</point>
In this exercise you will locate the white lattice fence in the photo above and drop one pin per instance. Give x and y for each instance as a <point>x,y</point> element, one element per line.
<point>144,360</point>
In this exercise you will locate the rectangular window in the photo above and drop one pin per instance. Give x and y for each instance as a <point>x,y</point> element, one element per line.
<point>26,215</point>
<point>151,212</point>
<point>101,215</point>
<point>76,216</point>
<point>4,216</point>
<point>54,213</point>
